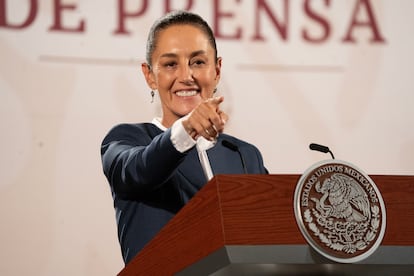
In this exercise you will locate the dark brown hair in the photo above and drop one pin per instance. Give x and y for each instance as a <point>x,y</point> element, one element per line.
<point>177,18</point>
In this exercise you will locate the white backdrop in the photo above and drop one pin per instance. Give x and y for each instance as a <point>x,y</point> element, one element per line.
<point>66,78</point>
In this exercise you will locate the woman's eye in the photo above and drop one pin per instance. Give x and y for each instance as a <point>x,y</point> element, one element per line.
<point>170,64</point>
<point>198,62</point>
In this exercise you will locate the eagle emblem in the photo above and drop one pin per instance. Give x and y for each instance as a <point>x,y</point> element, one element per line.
<point>339,211</point>
<point>342,197</point>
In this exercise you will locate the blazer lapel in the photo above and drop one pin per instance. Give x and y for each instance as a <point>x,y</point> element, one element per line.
<point>224,160</point>
<point>191,169</point>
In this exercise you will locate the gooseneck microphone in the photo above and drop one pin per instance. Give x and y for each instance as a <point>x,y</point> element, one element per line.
<point>235,148</point>
<point>321,148</point>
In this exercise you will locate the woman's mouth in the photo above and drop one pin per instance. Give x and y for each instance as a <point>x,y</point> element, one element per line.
<point>186,93</point>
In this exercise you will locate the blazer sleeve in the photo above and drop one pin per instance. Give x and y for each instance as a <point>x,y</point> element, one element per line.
<point>136,159</point>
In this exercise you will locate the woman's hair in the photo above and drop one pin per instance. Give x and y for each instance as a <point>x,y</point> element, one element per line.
<point>178,18</point>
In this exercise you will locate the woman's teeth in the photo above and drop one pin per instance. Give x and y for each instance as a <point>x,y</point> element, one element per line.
<point>186,93</point>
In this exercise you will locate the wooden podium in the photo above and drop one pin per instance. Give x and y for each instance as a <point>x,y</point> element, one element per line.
<point>245,225</point>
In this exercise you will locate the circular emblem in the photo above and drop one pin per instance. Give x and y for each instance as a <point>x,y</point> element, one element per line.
<point>339,211</point>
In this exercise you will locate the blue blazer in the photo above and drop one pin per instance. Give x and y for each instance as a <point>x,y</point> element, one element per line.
<point>151,181</point>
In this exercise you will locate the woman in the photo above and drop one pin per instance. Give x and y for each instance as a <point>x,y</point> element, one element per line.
<point>155,168</point>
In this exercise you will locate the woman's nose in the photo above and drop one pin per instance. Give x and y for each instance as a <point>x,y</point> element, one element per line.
<point>185,73</point>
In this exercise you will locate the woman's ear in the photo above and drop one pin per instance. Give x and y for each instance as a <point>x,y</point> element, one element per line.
<point>218,69</point>
<point>149,75</point>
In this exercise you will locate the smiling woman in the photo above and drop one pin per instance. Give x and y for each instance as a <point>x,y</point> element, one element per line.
<point>155,168</point>
<point>185,71</point>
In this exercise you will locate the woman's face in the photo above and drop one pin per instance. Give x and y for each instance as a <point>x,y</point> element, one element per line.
<point>184,70</point>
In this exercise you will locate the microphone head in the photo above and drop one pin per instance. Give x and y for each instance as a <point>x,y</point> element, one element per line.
<point>229,145</point>
<point>318,147</point>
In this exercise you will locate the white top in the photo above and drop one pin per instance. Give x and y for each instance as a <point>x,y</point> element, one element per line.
<point>182,141</point>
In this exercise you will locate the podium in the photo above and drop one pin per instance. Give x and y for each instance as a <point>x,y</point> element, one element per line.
<point>245,225</point>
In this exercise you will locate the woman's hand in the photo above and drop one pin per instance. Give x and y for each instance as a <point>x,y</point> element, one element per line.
<point>206,119</point>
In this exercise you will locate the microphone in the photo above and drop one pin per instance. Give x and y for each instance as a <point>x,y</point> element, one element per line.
<point>321,148</point>
<point>234,147</point>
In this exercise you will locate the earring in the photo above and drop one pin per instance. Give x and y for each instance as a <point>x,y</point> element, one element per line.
<point>152,96</point>
<point>215,90</point>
